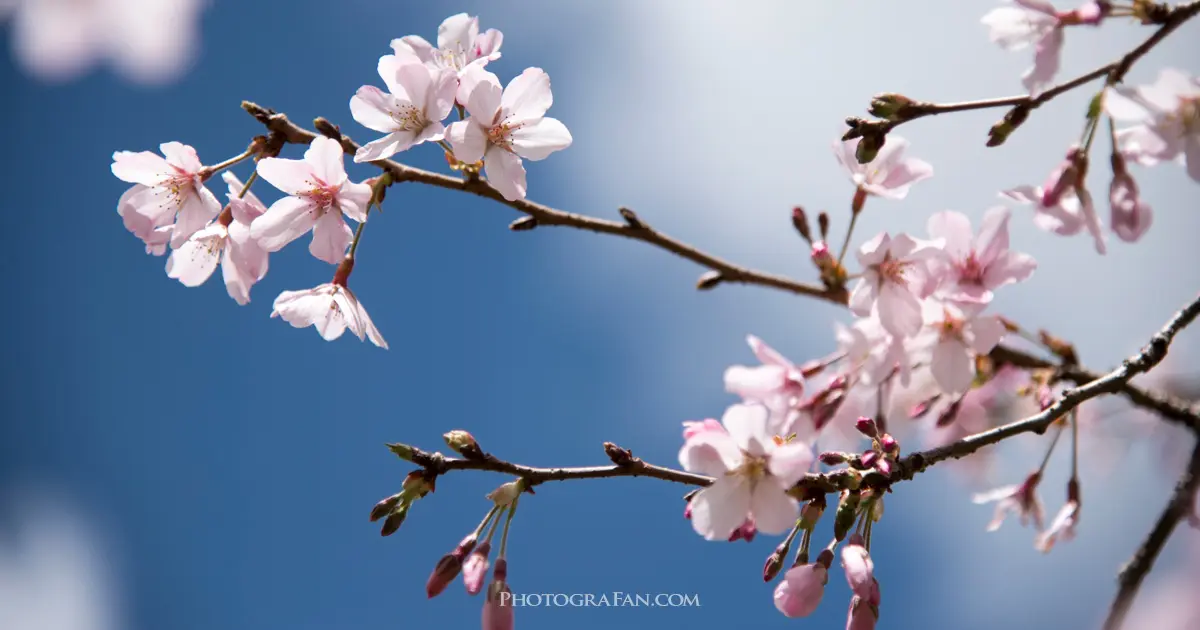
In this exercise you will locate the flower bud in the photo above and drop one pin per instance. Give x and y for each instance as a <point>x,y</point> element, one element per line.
<point>745,532</point>
<point>1131,217</point>
<point>385,507</point>
<point>394,521</point>
<point>800,222</point>
<point>884,466</point>
<point>775,562</point>
<point>419,483</point>
<point>869,146</point>
<point>866,426</point>
<point>403,451</point>
<point>476,567</point>
<point>687,511</point>
<point>449,567</point>
<point>709,280</point>
<point>823,225</point>
<point>523,224</point>
<point>810,514</point>
<point>800,592</point>
<point>868,458</point>
<point>832,458</point>
<point>863,614</point>
<point>893,107</point>
<point>847,512</point>
<point>889,443</point>
<point>498,609</point>
<point>463,443</point>
<point>507,493</point>
<point>999,132</point>
<point>1064,177</point>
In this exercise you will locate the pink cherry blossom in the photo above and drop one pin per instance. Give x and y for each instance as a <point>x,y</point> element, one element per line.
<point>1073,212</point>
<point>154,234</point>
<point>800,592</point>
<point>1061,528</point>
<point>418,99</point>
<point>753,473</point>
<point>692,427</point>
<point>1038,23</point>
<point>498,607</point>
<point>1020,499</point>
<point>165,191</point>
<point>1131,216</point>
<point>890,174</point>
<point>896,276</point>
<point>331,308</point>
<point>974,266</point>
<point>505,127</point>
<point>147,42</point>
<point>956,335</point>
<point>459,45</point>
<point>1165,117</point>
<point>777,383</point>
<point>320,193</point>
<point>227,239</point>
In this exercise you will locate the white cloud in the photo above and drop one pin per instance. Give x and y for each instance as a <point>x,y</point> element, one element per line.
<point>53,573</point>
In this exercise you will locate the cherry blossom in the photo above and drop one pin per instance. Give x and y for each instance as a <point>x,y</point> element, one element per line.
<point>752,471</point>
<point>862,614</point>
<point>165,190</point>
<point>154,234</point>
<point>227,239</point>
<point>1072,211</point>
<point>1061,528</point>
<point>956,335</point>
<point>1021,499</point>
<point>320,193</point>
<point>418,99</point>
<point>505,127</point>
<point>148,42</point>
<point>476,567</point>
<point>1165,117</point>
<point>1131,216</point>
<point>331,308</point>
<point>1038,23</point>
<point>974,266</point>
<point>890,174</point>
<point>777,384</point>
<point>459,45</point>
<point>800,591</point>
<point>896,276</point>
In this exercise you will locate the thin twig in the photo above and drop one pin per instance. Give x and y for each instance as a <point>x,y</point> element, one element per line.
<point>1115,71</point>
<point>626,465</point>
<point>1130,578</point>
<point>636,228</point>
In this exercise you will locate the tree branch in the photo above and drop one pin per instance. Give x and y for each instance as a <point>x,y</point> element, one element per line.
<point>284,130</point>
<point>1130,578</point>
<point>626,465</point>
<point>1024,104</point>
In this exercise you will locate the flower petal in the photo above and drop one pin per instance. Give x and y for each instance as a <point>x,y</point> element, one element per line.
<point>331,237</point>
<point>285,221</point>
<point>527,96</point>
<point>774,511</point>
<point>535,141</point>
<point>721,508</point>
<point>505,173</point>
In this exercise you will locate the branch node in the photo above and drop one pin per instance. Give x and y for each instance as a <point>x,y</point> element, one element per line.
<point>709,280</point>
<point>523,224</point>
<point>631,219</point>
<point>620,456</point>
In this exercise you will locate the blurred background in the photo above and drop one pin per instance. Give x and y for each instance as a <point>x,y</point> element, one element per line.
<point>170,460</point>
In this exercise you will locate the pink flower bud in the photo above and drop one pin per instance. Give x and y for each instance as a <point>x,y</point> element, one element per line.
<point>869,458</point>
<point>448,567</point>
<point>860,570</point>
<point>745,532</point>
<point>884,465</point>
<point>498,609</point>
<point>866,426</point>
<point>832,458</point>
<point>800,592</point>
<point>476,567</point>
<point>889,443</point>
<point>384,507</point>
<point>1130,216</point>
<point>863,614</point>
<point>687,511</point>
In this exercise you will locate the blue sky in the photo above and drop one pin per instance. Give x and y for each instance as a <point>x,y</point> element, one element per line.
<point>223,463</point>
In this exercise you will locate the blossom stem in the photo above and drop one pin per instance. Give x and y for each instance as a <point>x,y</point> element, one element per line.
<point>209,171</point>
<point>850,229</point>
<point>495,525</point>
<point>1050,451</point>
<point>1074,444</point>
<point>870,522</point>
<point>492,512</point>
<point>446,145</point>
<point>512,509</point>
<point>246,187</point>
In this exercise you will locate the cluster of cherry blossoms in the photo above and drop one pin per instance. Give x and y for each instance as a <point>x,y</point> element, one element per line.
<point>169,204</point>
<point>1163,121</point>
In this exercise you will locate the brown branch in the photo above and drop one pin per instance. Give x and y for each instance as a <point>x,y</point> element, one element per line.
<point>632,227</point>
<point>635,228</point>
<point>1022,105</point>
<point>626,465</point>
<point>1178,508</point>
